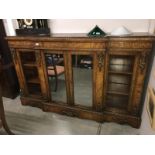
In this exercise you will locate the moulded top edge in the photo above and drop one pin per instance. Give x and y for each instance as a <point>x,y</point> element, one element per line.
<point>77,36</point>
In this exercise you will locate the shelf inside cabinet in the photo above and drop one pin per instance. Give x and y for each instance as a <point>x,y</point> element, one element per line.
<point>119,83</point>
<point>121,64</point>
<point>117,93</point>
<point>34,80</point>
<point>30,64</point>
<point>118,87</point>
<point>120,72</point>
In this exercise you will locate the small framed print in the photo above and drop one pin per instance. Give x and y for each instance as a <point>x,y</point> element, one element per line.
<point>151,106</point>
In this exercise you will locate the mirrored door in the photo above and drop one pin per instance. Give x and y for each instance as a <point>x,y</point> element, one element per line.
<point>55,70</point>
<point>82,67</point>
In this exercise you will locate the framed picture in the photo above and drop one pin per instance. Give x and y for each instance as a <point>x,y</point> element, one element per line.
<point>151,106</point>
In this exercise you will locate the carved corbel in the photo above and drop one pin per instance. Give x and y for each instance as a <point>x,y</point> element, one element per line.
<point>100,58</point>
<point>143,61</point>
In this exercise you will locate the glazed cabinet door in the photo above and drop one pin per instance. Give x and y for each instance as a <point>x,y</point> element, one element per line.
<point>120,79</point>
<point>87,75</point>
<point>30,72</point>
<point>75,78</point>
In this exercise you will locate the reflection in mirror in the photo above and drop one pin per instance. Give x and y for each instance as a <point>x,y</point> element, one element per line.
<point>82,75</point>
<point>56,75</point>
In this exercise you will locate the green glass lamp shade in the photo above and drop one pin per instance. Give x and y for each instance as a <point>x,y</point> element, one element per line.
<point>96,31</point>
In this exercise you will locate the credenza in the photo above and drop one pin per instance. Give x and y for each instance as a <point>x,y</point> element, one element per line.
<point>110,86</point>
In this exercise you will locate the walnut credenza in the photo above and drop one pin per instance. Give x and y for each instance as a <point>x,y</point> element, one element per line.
<point>119,66</point>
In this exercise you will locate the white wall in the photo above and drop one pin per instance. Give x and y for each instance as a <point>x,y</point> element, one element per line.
<point>9,27</point>
<point>85,25</point>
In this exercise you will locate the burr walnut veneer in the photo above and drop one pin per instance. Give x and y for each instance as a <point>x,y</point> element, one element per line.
<point>119,72</point>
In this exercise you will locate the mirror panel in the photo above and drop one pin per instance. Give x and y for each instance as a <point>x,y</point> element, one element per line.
<point>56,76</point>
<point>82,66</point>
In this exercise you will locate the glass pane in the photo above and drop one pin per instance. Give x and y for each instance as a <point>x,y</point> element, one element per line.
<point>56,75</point>
<point>117,101</point>
<point>119,83</point>
<point>30,71</point>
<point>31,74</point>
<point>34,89</point>
<point>121,63</point>
<point>119,80</point>
<point>82,75</point>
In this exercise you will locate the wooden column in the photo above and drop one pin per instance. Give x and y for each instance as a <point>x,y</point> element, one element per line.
<point>69,78</point>
<point>98,80</point>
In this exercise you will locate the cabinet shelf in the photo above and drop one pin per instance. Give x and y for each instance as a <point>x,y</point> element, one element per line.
<point>111,82</point>
<point>119,72</point>
<point>30,64</point>
<point>34,80</point>
<point>37,95</point>
<point>117,93</point>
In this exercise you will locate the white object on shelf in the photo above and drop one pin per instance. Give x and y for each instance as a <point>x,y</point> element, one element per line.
<point>121,31</point>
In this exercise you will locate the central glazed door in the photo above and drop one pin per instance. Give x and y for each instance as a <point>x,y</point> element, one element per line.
<point>81,84</point>
<point>86,78</point>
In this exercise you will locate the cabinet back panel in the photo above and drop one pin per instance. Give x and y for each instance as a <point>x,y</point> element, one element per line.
<point>30,73</point>
<point>117,101</point>
<point>121,63</point>
<point>118,88</point>
<point>120,79</point>
<point>34,89</point>
<point>27,57</point>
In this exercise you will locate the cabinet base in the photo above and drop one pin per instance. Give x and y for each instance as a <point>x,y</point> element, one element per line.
<point>84,113</point>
